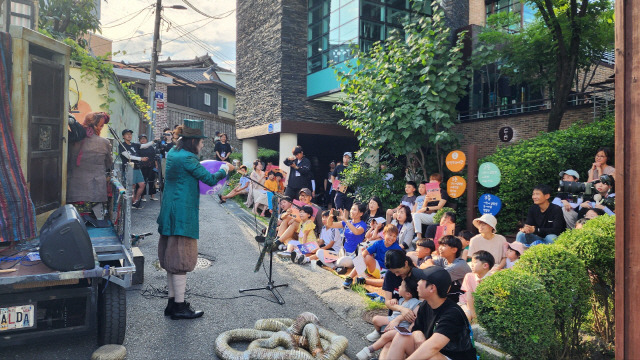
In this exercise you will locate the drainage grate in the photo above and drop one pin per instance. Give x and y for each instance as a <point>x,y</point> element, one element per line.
<point>202,263</point>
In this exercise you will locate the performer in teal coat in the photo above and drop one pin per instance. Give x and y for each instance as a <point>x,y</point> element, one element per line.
<point>178,222</point>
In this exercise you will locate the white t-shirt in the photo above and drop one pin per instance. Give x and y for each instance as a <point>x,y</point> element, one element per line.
<point>329,235</point>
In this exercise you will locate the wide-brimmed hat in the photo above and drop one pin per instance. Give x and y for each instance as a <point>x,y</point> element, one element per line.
<point>193,129</point>
<point>487,219</point>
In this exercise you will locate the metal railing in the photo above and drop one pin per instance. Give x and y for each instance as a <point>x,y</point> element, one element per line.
<point>601,100</point>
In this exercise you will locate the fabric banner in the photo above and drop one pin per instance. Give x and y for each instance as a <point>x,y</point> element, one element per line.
<point>17,213</point>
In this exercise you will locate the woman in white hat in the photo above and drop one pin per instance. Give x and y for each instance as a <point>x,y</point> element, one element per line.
<point>489,241</point>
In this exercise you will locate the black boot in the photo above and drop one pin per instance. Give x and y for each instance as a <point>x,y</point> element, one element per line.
<point>170,305</point>
<point>183,310</point>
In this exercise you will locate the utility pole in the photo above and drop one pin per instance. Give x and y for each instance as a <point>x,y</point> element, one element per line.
<point>152,71</point>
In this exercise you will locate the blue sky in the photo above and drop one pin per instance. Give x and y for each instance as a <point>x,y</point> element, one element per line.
<point>129,23</point>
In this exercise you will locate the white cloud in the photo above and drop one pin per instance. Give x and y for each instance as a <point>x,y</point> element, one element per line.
<point>129,23</point>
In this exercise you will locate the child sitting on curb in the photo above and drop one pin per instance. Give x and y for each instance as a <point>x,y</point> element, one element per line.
<point>465,236</point>
<point>409,299</point>
<point>374,259</point>
<point>329,241</point>
<point>481,266</point>
<point>424,249</point>
<point>514,251</point>
<point>306,234</point>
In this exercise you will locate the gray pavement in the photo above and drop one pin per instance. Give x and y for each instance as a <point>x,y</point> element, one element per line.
<point>226,237</point>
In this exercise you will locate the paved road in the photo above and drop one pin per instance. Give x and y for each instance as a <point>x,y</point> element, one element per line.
<point>226,237</point>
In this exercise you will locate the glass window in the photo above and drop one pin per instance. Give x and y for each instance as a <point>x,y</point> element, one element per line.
<point>317,46</point>
<point>223,103</point>
<point>334,37</point>
<point>372,11</point>
<point>207,99</point>
<point>349,31</point>
<point>371,30</point>
<point>334,5</point>
<point>334,20</point>
<point>396,17</point>
<point>393,29</point>
<point>401,4</point>
<point>315,31</point>
<point>349,12</point>
<point>315,15</point>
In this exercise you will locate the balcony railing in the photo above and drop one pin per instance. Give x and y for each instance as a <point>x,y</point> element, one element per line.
<point>601,100</point>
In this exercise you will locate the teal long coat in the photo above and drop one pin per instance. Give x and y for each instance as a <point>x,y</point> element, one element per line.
<point>179,215</point>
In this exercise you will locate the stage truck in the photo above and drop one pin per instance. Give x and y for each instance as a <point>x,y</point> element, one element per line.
<point>80,288</point>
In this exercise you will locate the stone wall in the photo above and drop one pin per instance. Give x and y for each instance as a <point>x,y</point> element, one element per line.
<point>259,60</point>
<point>456,13</point>
<point>484,133</point>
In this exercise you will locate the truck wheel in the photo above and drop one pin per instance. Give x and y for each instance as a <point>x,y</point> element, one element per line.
<point>112,314</point>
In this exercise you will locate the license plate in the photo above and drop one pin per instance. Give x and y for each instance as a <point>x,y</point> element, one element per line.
<point>17,317</point>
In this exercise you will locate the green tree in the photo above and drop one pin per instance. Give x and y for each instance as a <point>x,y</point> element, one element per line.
<point>558,52</point>
<point>402,94</point>
<point>69,18</point>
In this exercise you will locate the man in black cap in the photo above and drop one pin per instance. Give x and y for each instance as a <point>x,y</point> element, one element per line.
<point>131,152</point>
<point>441,330</point>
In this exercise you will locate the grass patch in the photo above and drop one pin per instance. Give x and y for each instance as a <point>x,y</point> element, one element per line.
<point>240,200</point>
<point>370,304</point>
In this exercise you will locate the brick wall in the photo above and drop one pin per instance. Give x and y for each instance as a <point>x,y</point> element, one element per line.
<point>175,115</point>
<point>484,133</point>
<point>477,12</point>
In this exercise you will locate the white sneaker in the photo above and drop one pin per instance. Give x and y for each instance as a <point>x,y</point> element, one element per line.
<point>364,354</point>
<point>282,247</point>
<point>373,336</point>
<point>303,260</point>
<point>284,254</point>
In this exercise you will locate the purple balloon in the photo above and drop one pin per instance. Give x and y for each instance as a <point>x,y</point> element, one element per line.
<point>212,166</point>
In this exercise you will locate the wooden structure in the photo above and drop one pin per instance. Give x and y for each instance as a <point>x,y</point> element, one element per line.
<point>627,77</point>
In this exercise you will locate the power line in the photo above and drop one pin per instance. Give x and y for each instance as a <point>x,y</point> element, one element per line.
<point>136,30</point>
<point>219,16</point>
<point>133,16</point>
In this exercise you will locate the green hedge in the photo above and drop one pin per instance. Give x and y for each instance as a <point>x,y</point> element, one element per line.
<point>564,276</point>
<point>595,245</point>
<point>517,312</point>
<point>539,160</point>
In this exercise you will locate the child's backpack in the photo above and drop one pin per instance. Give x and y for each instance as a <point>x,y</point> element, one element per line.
<point>76,130</point>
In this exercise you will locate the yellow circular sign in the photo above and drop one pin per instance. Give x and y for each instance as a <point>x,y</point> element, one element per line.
<point>456,185</point>
<point>456,160</point>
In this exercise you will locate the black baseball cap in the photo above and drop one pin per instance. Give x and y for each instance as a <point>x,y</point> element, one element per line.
<point>435,275</point>
<point>126,131</point>
<point>142,136</point>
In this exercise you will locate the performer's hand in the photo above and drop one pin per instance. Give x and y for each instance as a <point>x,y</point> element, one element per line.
<point>231,167</point>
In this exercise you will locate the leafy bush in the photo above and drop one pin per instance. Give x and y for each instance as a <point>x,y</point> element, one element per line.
<point>595,245</point>
<point>369,181</point>
<point>517,312</point>
<point>267,155</point>
<point>235,156</point>
<point>539,160</point>
<point>565,278</point>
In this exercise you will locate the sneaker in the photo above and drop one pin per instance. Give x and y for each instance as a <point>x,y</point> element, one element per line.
<point>319,263</point>
<point>341,270</point>
<point>347,283</point>
<point>373,336</point>
<point>305,260</point>
<point>379,299</point>
<point>361,281</point>
<point>137,205</point>
<point>372,295</point>
<point>153,199</point>
<point>220,199</point>
<point>144,199</point>
<point>364,354</point>
<point>284,254</point>
<point>294,257</point>
<point>282,247</point>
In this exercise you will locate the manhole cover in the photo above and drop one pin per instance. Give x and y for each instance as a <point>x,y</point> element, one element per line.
<point>202,263</point>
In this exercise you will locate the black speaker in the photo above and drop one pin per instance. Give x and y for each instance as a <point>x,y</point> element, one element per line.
<point>64,241</point>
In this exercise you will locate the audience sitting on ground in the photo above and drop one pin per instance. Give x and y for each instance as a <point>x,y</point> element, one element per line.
<point>569,202</point>
<point>305,195</point>
<point>441,330</point>
<point>330,240</point>
<point>403,222</point>
<point>489,241</point>
<point>289,231</point>
<point>374,210</point>
<point>514,251</point>
<point>261,200</point>
<point>465,237</point>
<point>306,234</point>
<point>545,221</point>
<point>399,267</point>
<point>407,200</point>
<point>424,215</point>
<point>448,224</point>
<point>481,266</point>
<point>258,177</point>
<point>354,231</point>
<point>408,292</point>
<point>422,190</point>
<point>600,165</point>
<point>374,231</point>
<point>450,249</point>
<point>280,181</point>
<point>606,189</point>
<point>241,189</point>
<point>373,258</point>
<point>424,249</point>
